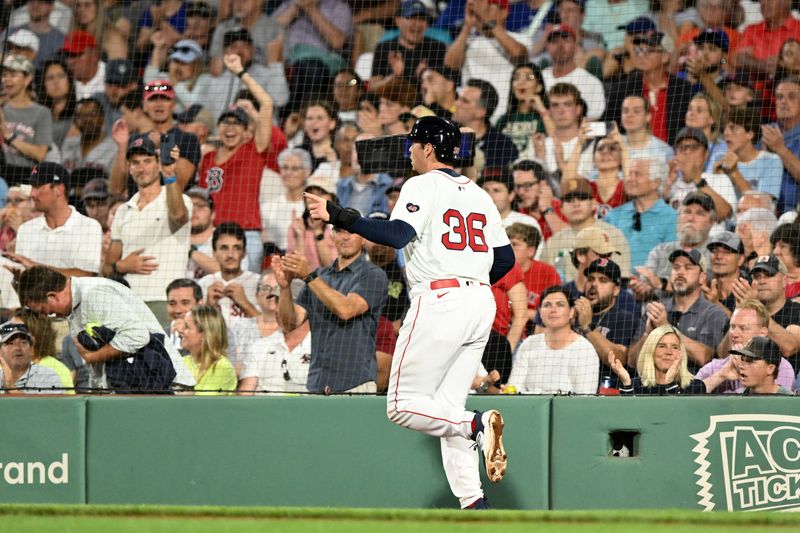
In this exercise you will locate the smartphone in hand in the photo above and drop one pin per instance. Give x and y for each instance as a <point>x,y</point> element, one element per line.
<point>167,144</point>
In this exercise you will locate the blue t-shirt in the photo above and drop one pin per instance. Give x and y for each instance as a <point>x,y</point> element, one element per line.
<point>790,189</point>
<point>657,226</point>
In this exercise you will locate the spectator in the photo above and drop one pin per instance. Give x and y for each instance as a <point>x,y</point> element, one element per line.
<point>749,319</point>
<point>757,368</point>
<point>536,275</point>
<point>397,96</point>
<point>347,89</point>
<point>150,233</point>
<point>319,123</point>
<point>662,368</point>
<point>738,91</point>
<point>754,227</point>
<point>785,241</point>
<point>562,47</point>
<point>198,23</point>
<point>182,295</point>
<point>484,50</point>
<point>788,59</point>
<point>121,80</point>
<point>18,210</point>
<point>90,147</point>
<point>231,289</point>
<point>607,179</point>
<point>277,214</point>
<point>117,309</point>
<point>438,87</point>
<point>669,96</point>
<point>363,192</point>
<point>761,42</point>
<point>205,337</point>
<point>311,237</point>
<point>610,19</point>
<point>40,22</point>
<point>96,201</point>
<point>27,127</point>
<point>636,118</point>
<point>24,43</point>
<point>158,105</point>
<point>715,15</point>
<point>329,172</point>
<point>242,157</point>
<point>270,76</point>
<point>56,91</point>
<point>185,70</point>
<point>705,114</point>
<point>43,344</point>
<point>535,197</point>
<point>319,30</point>
<point>558,361</point>
<point>366,116</point>
<point>278,361</point>
<point>168,16</point>
<point>599,316</point>
<point>247,15</point>
<point>644,210</point>
<point>620,59</point>
<point>694,224</point>
<point>567,110</point>
<point>748,167</point>
<point>501,190</point>
<point>706,68</point>
<point>590,46</point>
<point>526,110</point>
<point>475,106</point>
<point>342,303</point>
<point>83,60</point>
<point>700,322</point>
<point>407,55</point>
<point>62,239</point>
<point>783,139</point>
<point>509,323</point>
<point>727,260</point>
<point>19,375</point>
<point>579,207</point>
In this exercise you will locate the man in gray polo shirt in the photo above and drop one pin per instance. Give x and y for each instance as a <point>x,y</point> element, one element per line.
<point>18,373</point>
<point>701,322</point>
<point>343,303</point>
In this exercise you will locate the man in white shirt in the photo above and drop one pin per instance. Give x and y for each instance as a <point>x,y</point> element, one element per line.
<point>62,239</point>
<point>231,290</point>
<point>150,233</point>
<point>562,45</point>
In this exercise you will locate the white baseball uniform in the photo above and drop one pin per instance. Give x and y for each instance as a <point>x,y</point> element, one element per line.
<point>443,336</point>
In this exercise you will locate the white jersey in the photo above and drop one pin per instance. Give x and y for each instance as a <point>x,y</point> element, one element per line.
<point>231,312</point>
<point>457,227</point>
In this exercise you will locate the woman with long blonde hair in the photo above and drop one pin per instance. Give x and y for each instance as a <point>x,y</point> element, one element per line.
<point>205,337</point>
<point>662,367</point>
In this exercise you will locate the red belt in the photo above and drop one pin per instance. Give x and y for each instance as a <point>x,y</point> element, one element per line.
<point>449,283</point>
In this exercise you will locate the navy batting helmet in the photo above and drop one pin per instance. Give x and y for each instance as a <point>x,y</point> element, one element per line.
<point>441,133</point>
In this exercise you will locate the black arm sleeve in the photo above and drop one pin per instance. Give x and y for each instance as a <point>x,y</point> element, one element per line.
<point>503,262</point>
<point>394,233</point>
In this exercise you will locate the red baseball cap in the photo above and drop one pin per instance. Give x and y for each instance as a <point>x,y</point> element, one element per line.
<point>561,29</point>
<point>78,41</point>
<point>159,88</point>
<point>503,4</point>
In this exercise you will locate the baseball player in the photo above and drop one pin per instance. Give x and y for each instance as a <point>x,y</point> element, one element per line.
<point>455,247</point>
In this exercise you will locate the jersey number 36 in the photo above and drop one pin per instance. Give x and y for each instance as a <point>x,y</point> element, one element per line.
<point>464,232</point>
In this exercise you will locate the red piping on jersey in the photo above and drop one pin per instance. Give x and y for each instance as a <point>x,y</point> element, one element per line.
<point>451,177</point>
<point>400,366</point>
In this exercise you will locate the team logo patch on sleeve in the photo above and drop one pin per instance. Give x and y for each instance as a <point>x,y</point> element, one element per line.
<point>412,208</point>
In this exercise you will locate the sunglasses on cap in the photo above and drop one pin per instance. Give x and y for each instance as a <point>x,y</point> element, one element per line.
<point>182,50</point>
<point>152,88</point>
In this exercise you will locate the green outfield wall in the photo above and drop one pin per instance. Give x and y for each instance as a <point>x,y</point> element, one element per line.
<point>715,453</point>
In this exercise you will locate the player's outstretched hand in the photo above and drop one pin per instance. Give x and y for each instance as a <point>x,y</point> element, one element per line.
<point>317,207</point>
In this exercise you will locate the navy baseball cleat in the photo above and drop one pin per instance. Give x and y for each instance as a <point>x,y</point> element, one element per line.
<point>481,504</point>
<point>489,436</point>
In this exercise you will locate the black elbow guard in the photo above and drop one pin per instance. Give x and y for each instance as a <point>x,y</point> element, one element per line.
<point>341,217</point>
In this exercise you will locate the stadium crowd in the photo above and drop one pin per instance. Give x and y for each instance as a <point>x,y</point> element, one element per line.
<point>644,158</point>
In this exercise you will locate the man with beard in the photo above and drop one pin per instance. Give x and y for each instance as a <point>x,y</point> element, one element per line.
<point>784,327</point>
<point>231,290</point>
<point>343,303</point>
<point>18,374</point>
<point>694,223</point>
<point>701,323</point>
<point>120,81</point>
<point>605,324</point>
<point>90,148</point>
<point>159,102</point>
<point>749,319</point>
<point>151,230</point>
<point>727,261</point>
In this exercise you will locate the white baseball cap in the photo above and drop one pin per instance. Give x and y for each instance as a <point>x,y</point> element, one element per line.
<point>23,38</point>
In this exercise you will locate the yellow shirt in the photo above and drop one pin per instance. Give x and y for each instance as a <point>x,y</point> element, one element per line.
<point>218,380</point>
<point>61,369</point>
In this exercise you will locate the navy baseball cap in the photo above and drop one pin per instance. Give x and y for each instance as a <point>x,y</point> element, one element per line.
<point>769,264</point>
<point>761,348</point>
<point>413,8</point>
<point>120,72</point>
<point>47,172</point>
<point>607,267</point>
<point>692,133</point>
<point>239,34</point>
<point>716,37</point>
<point>701,199</point>
<point>694,255</point>
<point>638,25</point>
<point>238,113</point>
<point>141,144</point>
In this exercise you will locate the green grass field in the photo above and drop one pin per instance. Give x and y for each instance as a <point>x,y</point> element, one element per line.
<point>91,518</point>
